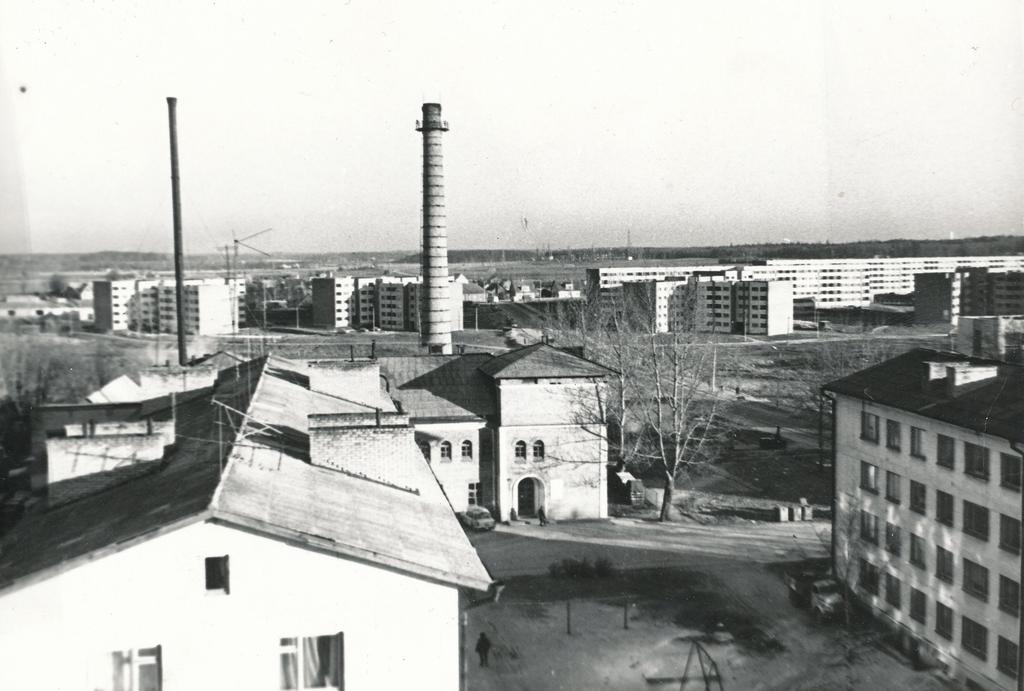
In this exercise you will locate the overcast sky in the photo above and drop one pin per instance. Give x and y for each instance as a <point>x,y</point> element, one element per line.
<point>683,122</point>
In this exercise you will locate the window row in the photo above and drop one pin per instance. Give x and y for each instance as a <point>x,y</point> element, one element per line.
<point>976,458</point>
<point>537,449</point>
<point>445,450</point>
<point>976,578</point>
<point>305,663</point>
<point>973,635</point>
<point>975,518</point>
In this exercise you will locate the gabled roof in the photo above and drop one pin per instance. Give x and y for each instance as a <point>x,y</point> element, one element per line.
<point>992,406</point>
<point>440,387</point>
<point>541,360</point>
<point>257,476</point>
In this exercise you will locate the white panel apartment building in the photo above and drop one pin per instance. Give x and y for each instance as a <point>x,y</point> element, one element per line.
<point>390,303</point>
<point>831,282</point>
<point>928,449</point>
<point>212,305</point>
<point>334,301</point>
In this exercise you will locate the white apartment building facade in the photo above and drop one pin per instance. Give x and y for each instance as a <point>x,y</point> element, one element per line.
<point>213,306</point>
<point>927,533</point>
<point>831,282</point>
<point>334,301</point>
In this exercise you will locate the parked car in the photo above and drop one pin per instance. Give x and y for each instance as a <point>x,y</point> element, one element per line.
<point>826,599</point>
<point>800,582</point>
<point>477,518</point>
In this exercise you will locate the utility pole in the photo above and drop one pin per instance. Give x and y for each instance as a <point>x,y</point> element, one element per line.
<point>179,254</point>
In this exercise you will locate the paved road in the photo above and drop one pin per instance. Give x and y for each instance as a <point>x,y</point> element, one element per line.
<point>527,549</point>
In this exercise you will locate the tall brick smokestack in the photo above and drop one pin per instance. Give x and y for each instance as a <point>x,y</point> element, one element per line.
<point>435,300</point>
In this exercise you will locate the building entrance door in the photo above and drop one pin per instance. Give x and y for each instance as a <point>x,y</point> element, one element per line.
<point>527,497</point>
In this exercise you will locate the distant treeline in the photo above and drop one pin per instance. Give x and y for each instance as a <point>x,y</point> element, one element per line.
<point>13,265</point>
<point>994,244</point>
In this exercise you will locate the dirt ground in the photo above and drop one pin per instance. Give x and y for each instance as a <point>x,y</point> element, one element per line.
<point>675,585</point>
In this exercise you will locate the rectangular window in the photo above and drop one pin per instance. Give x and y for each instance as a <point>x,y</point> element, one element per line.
<point>1009,595</point>
<point>137,669</point>
<point>1009,471</point>
<point>917,555</point>
<point>474,493</point>
<point>868,577</point>
<point>943,564</point>
<point>1006,660</point>
<point>976,460</point>
<point>918,497</point>
<point>974,638</point>
<point>869,427</point>
<point>917,442</point>
<point>918,606</point>
<point>1009,533</point>
<point>975,579</point>
<point>869,527</point>
<point>975,520</point>
<point>892,590</point>
<point>217,574</point>
<point>892,487</point>
<point>869,477</point>
<point>314,662</point>
<point>943,507</point>
<point>893,539</point>
<point>893,435</point>
<point>945,452</point>
<point>943,621</point>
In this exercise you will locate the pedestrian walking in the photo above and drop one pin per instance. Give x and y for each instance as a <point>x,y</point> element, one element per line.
<point>483,647</point>
<point>542,516</point>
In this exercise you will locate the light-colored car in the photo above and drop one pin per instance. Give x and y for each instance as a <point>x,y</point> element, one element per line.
<point>477,518</point>
<point>826,599</point>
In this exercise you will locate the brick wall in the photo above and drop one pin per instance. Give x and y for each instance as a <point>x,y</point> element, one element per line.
<point>69,457</point>
<point>381,453</point>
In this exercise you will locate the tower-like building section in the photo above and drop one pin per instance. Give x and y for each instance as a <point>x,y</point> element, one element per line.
<point>435,317</point>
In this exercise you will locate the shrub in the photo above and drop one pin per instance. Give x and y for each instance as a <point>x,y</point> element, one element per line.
<point>603,568</point>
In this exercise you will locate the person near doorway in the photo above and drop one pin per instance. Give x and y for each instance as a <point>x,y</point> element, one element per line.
<point>483,648</point>
<point>542,516</point>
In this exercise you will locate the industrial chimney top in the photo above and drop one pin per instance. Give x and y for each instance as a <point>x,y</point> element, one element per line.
<point>431,118</point>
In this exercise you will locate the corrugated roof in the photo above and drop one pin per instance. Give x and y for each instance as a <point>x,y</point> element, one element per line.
<point>267,485</point>
<point>541,360</point>
<point>993,406</point>
<point>441,387</point>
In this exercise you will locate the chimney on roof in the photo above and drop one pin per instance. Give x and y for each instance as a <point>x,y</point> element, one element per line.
<point>952,378</point>
<point>376,445</point>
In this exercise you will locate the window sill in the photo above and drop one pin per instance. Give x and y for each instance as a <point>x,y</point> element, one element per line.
<point>1012,549</point>
<point>920,565</point>
<point>980,654</point>
<point>944,579</point>
<point>870,490</point>
<point>921,510</point>
<point>977,536</point>
<point>869,440</point>
<point>976,595</point>
<point>943,634</point>
<point>893,448</point>
<point>1012,488</point>
<point>918,456</point>
<point>977,476</point>
<point>1011,612</point>
<point>893,500</point>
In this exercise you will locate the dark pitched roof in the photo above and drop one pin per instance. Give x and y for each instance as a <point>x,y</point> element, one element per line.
<point>992,406</point>
<point>541,360</point>
<point>260,479</point>
<point>177,489</point>
<point>448,387</point>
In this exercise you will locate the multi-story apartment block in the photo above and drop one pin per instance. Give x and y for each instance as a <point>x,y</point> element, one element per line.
<point>928,449</point>
<point>830,282</point>
<point>942,298</point>
<point>392,303</point>
<point>334,301</point>
<point>707,303</point>
<point>213,306</point>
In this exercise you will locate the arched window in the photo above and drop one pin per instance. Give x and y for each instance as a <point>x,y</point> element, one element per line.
<point>520,450</point>
<point>425,450</point>
<point>446,451</point>
<point>538,449</point>
<point>467,449</point>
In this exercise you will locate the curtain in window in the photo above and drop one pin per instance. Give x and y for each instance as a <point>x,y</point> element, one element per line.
<point>289,664</point>
<point>318,656</point>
